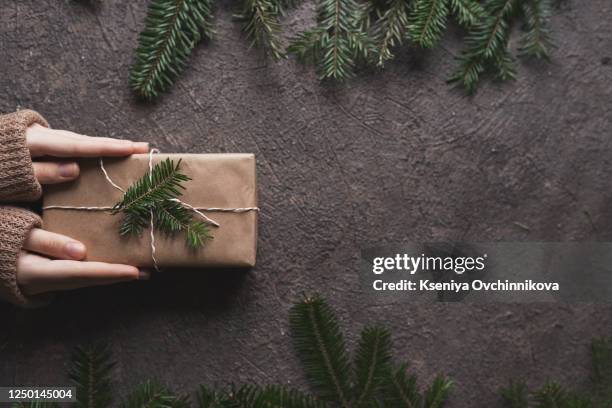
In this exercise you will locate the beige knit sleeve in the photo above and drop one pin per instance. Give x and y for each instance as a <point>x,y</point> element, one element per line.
<point>17,181</point>
<point>15,224</point>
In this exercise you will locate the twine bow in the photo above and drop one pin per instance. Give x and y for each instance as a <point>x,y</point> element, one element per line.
<point>197,210</point>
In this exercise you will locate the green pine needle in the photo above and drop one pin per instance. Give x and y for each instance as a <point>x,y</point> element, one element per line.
<point>515,395</point>
<point>601,352</point>
<point>207,398</point>
<point>427,22</point>
<point>337,43</point>
<point>154,395</point>
<point>272,396</point>
<point>172,30</point>
<point>487,46</point>
<point>390,29</point>
<point>372,360</point>
<point>261,25</point>
<point>153,196</point>
<point>551,395</point>
<point>536,40</point>
<point>468,12</point>
<point>320,346</point>
<point>400,390</point>
<point>90,372</point>
<point>437,394</point>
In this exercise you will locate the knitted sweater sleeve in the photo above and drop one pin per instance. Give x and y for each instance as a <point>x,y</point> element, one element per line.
<point>15,224</point>
<point>17,181</point>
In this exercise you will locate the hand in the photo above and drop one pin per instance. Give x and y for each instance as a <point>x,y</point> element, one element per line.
<point>42,141</point>
<point>50,261</point>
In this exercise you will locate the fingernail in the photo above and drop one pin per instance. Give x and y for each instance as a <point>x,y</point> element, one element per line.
<point>144,274</point>
<point>68,170</point>
<point>76,250</point>
<point>141,145</point>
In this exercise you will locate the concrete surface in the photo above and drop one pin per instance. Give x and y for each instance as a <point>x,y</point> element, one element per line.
<point>385,158</point>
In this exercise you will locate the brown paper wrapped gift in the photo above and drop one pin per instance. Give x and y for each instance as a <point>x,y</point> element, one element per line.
<point>218,181</point>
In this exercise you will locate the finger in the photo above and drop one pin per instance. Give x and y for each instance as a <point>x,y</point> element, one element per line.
<point>140,147</point>
<point>53,173</point>
<point>36,274</point>
<point>58,144</point>
<point>54,245</point>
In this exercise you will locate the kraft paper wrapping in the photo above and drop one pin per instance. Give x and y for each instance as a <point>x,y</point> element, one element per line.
<point>218,180</point>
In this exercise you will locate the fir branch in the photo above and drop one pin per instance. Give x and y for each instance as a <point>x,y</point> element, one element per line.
<point>261,25</point>
<point>515,395</point>
<point>154,196</point>
<point>390,29</point>
<point>207,398</point>
<point>427,22</point>
<point>90,371</point>
<point>437,394</point>
<point>400,390</point>
<point>536,40</point>
<point>272,396</point>
<point>601,356</point>
<point>153,395</point>
<point>172,30</point>
<point>372,360</point>
<point>337,43</point>
<point>320,346</point>
<point>162,184</point>
<point>487,46</point>
<point>468,12</point>
<point>551,395</point>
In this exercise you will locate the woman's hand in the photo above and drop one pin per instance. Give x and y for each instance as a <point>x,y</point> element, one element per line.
<point>49,261</point>
<point>42,141</point>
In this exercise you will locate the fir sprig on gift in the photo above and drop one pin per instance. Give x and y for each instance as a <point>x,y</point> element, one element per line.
<point>172,30</point>
<point>153,198</point>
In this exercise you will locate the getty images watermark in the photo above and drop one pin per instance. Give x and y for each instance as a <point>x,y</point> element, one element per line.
<point>496,272</point>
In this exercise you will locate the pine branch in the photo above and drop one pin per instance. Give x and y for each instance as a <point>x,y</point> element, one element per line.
<point>207,398</point>
<point>390,29</point>
<point>337,43</point>
<point>468,12</point>
<point>536,40</point>
<point>273,396</point>
<point>601,355</point>
<point>400,390</point>
<point>153,395</point>
<point>437,394</point>
<point>261,25</point>
<point>372,360</point>
<point>515,395</point>
<point>160,185</point>
<point>427,22</point>
<point>487,46</point>
<point>320,346</point>
<point>172,30</point>
<point>550,396</point>
<point>90,371</point>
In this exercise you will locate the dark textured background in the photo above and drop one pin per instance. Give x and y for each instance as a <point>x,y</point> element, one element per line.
<point>386,158</point>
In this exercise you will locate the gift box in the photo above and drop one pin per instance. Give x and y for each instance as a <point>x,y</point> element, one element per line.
<point>222,187</point>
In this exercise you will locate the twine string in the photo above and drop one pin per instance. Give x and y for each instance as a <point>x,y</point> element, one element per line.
<point>198,210</point>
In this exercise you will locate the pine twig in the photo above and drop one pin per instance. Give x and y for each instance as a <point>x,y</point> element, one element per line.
<point>390,29</point>
<point>154,395</point>
<point>437,394</point>
<point>515,395</point>
<point>400,390</point>
<point>536,40</point>
<point>90,371</point>
<point>172,30</point>
<point>337,43</point>
<point>427,22</point>
<point>372,360</point>
<point>320,346</point>
<point>261,25</point>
